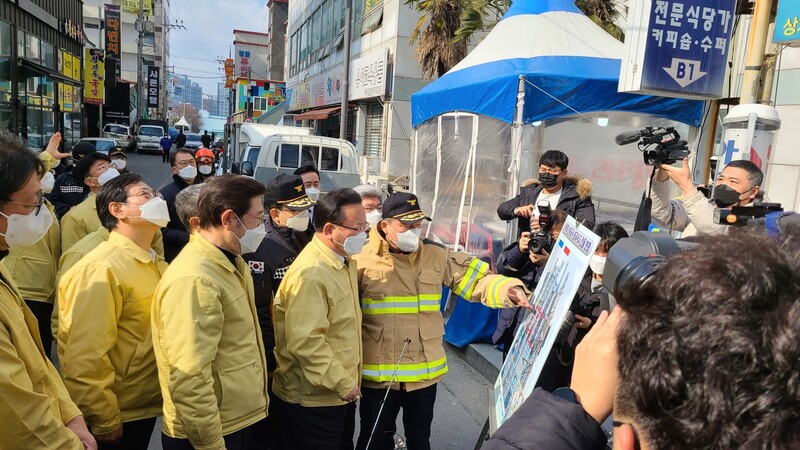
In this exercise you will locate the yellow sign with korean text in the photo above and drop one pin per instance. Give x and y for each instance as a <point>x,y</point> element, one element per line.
<point>95,76</point>
<point>132,6</point>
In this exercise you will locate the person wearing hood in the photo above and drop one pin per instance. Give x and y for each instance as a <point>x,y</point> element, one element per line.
<point>739,184</point>
<point>287,205</point>
<point>572,195</point>
<point>36,411</point>
<point>104,335</point>
<point>184,173</point>
<point>69,189</point>
<point>400,279</point>
<point>205,163</point>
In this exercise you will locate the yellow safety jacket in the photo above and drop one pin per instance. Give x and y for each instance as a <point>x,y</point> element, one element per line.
<point>33,267</point>
<point>82,219</point>
<point>400,299</point>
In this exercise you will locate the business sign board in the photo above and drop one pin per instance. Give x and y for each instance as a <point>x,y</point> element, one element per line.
<point>153,85</point>
<point>95,75</point>
<point>132,6</point>
<point>677,48</point>
<point>113,31</point>
<point>787,23</point>
<point>368,75</point>
<point>538,331</point>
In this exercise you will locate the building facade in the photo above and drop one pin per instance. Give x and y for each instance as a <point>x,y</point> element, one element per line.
<point>254,93</point>
<point>41,48</point>
<point>184,90</point>
<point>276,56</point>
<point>383,75</point>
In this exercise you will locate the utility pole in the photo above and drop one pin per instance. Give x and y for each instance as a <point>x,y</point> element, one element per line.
<point>348,18</point>
<point>756,44</point>
<point>140,66</point>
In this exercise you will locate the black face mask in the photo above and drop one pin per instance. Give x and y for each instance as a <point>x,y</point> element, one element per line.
<point>548,180</point>
<point>725,195</point>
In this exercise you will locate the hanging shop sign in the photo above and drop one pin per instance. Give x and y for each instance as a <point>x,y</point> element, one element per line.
<point>368,75</point>
<point>787,23</point>
<point>95,75</point>
<point>153,83</point>
<point>113,31</point>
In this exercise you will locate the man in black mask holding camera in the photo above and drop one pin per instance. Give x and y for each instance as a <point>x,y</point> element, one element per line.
<point>570,194</point>
<point>692,213</point>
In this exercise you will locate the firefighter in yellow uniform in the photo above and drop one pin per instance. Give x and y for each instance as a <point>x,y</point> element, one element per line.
<point>400,285</point>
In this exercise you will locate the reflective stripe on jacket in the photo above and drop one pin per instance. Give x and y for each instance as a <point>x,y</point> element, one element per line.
<point>400,299</point>
<point>104,338</point>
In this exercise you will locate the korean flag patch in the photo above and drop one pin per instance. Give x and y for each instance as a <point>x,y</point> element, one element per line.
<point>257,267</point>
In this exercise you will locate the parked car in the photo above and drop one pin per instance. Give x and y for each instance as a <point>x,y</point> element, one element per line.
<point>120,132</point>
<point>193,141</point>
<point>103,145</point>
<point>148,138</point>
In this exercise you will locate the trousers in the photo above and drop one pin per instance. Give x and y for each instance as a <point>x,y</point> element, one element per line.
<point>417,417</point>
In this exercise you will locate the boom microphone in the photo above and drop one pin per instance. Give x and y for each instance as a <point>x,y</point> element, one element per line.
<point>628,137</point>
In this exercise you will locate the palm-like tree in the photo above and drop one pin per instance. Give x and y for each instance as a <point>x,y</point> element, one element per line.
<point>437,51</point>
<point>452,23</point>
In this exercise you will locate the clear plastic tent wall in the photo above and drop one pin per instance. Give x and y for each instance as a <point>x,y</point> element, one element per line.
<point>464,165</point>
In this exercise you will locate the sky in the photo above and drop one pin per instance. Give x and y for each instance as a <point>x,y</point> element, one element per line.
<point>209,35</point>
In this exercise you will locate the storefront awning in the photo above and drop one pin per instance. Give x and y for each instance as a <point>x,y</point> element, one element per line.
<point>48,72</point>
<point>315,114</point>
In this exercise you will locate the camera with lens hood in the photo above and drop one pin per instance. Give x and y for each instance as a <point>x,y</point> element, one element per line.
<point>543,239</point>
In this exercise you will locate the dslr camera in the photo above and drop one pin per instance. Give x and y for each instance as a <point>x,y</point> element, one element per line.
<point>543,239</point>
<point>658,145</point>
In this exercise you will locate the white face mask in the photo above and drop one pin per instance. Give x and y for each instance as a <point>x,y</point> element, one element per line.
<point>48,181</point>
<point>252,238</point>
<point>408,241</point>
<point>120,163</point>
<point>205,170</point>
<point>597,264</point>
<point>188,173</point>
<point>313,193</point>
<point>298,222</point>
<point>374,217</point>
<point>107,176</point>
<point>154,211</point>
<point>353,245</point>
<point>27,229</point>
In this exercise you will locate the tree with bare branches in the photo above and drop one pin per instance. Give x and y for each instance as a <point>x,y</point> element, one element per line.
<point>192,115</point>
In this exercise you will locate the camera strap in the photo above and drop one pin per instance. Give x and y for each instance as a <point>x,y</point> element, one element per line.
<point>643,217</point>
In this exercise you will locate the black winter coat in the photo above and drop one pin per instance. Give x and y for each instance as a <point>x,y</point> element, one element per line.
<point>576,200</point>
<point>547,422</point>
<point>68,191</point>
<point>175,234</point>
<point>268,265</point>
<point>180,140</point>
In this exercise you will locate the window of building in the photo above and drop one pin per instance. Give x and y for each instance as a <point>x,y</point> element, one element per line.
<point>48,53</point>
<point>316,26</point>
<point>260,104</point>
<point>327,20</point>
<point>374,129</point>
<point>340,13</point>
<point>5,69</point>
<point>358,15</point>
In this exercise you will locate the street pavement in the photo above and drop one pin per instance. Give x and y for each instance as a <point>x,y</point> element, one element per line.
<point>461,402</point>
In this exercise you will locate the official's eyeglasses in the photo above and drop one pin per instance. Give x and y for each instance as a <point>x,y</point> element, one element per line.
<point>37,205</point>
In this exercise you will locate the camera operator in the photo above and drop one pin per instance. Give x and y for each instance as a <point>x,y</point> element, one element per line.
<point>692,213</point>
<point>683,365</point>
<point>571,194</point>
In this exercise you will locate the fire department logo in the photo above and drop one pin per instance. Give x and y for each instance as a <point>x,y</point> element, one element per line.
<point>298,188</point>
<point>412,202</point>
<point>256,267</point>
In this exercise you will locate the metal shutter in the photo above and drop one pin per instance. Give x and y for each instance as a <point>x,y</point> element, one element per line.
<point>374,130</point>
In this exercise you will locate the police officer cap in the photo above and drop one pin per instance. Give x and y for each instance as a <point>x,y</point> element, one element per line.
<point>404,207</point>
<point>82,149</point>
<point>82,167</point>
<point>287,190</point>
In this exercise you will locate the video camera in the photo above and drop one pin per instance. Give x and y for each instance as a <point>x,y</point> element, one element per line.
<point>543,239</point>
<point>669,146</point>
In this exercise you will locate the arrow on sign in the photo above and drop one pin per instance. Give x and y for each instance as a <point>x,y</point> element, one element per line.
<point>685,71</point>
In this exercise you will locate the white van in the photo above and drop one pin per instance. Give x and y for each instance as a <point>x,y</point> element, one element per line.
<point>148,138</point>
<point>263,151</point>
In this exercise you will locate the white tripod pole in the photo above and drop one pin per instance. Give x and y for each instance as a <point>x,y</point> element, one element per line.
<point>406,341</point>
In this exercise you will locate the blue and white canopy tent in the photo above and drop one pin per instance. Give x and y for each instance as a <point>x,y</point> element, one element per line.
<point>544,78</point>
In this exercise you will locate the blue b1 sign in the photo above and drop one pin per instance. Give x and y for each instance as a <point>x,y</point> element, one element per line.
<point>787,23</point>
<point>680,49</point>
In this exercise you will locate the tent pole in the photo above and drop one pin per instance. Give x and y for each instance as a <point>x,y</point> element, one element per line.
<point>473,153</point>
<point>516,152</point>
<point>467,168</point>
<point>438,172</point>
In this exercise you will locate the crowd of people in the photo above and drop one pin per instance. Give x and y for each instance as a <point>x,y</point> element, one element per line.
<point>252,316</point>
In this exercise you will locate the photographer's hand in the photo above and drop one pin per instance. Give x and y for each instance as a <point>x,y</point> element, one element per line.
<point>582,322</point>
<point>594,377</point>
<point>523,211</point>
<point>540,259</point>
<point>524,239</point>
<point>681,176</point>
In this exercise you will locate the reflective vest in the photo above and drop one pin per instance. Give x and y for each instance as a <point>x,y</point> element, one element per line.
<point>401,296</point>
